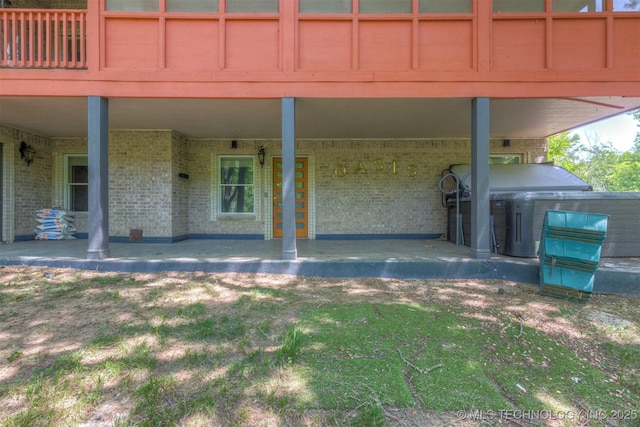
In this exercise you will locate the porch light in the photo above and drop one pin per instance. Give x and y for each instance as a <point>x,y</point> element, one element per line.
<point>261,154</point>
<point>27,153</point>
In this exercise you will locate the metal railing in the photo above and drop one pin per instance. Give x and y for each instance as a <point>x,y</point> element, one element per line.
<point>43,39</point>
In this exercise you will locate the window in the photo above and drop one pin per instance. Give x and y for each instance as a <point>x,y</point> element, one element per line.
<point>252,6</point>
<point>133,5</point>
<point>192,5</point>
<point>626,6</point>
<point>578,5</point>
<point>385,6</point>
<point>445,6</point>
<point>236,185</point>
<point>325,6</point>
<point>77,183</point>
<point>505,159</point>
<point>516,6</point>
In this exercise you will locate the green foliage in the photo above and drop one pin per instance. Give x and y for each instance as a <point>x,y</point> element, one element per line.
<point>291,345</point>
<point>15,354</point>
<point>560,150</point>
<point>216,328</point>
<point>370,415</point>
<point>597,162</point>
<point>625,175</point>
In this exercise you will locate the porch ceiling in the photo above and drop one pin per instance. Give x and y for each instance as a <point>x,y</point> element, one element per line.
<point>316,118</point>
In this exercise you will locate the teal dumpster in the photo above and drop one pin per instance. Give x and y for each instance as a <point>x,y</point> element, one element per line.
<point>569,253</point>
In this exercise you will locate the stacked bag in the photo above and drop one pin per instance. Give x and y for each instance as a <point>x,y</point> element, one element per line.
<point>55,224</point>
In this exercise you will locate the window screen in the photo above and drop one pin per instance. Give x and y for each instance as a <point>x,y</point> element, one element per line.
<point>445,6</point>
<point>516,6</point>
<point>385,6</point>
<point>133,5</point>
<point>192,5</point>
<point>252,6</point>
<point>325,6</point>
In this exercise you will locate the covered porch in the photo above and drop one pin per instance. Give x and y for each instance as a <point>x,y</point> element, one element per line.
<point>283,123</point>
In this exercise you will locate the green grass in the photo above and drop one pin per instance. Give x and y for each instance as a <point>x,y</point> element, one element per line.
<point>291,345</point>
<point>356,350</point>
<point>180,354</point>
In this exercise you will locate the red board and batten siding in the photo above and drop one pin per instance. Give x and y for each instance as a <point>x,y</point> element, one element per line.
<point>290,54</point>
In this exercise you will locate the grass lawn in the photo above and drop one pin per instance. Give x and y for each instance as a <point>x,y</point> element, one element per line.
<point>196,349</point>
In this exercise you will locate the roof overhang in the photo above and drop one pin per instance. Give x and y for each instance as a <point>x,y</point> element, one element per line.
<point>328,118</point>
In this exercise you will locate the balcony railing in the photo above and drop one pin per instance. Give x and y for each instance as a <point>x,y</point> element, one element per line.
<point>217,45</point>
<point>43,39</point>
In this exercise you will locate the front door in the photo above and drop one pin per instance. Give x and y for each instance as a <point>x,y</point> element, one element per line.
<point>302,197</point>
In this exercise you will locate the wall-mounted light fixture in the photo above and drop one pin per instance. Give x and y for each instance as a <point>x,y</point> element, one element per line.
<point>261,154</point>
<point>27,153</point>
<point>234,144</point>
<point>506,143</point>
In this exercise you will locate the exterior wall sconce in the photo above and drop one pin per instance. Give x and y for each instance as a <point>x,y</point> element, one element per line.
<point>261,154</point>
<point>27,153</point>
<point>234,144</point>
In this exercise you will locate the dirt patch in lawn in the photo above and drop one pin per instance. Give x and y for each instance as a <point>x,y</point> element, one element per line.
<point>104,349</point>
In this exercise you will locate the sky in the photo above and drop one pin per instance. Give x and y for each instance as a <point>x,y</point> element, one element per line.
<point>620,130</point>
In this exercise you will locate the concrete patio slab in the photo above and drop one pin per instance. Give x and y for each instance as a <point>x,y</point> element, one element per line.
<point>404,259</point>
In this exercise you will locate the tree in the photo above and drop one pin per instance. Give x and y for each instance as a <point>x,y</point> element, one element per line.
<point>596,162</point>
<point>560,152</point>
<point>590,160</point>
<point>632,4</point>
<point>625,175</point>
<point>596,159</point>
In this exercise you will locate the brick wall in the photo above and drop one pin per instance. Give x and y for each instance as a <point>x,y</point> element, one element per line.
<point>203,180</point>
<point>381,187</point>
<point>180,186</point>
<point>26,188</point>
<point>358,186</point>
<point>356,190</point>
<point>391,187</point>
<point>140,183</point>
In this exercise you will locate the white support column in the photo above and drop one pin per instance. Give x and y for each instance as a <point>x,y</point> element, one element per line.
<point>98,178</point>
<point>480,202</point>
<point>289,249</point>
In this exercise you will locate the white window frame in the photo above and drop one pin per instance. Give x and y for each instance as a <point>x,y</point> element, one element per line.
<point>67,179</point>
<point>220,185</point>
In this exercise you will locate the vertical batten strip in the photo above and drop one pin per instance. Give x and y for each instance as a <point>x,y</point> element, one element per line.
<point>31,31</point>
<point>56,39</point>
<point>64,40</point>
<point>83,40</point>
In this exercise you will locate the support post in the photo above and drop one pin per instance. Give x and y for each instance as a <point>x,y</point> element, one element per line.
<point>480,202</point>
<point>98,178</point>
<point>289,250</point>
